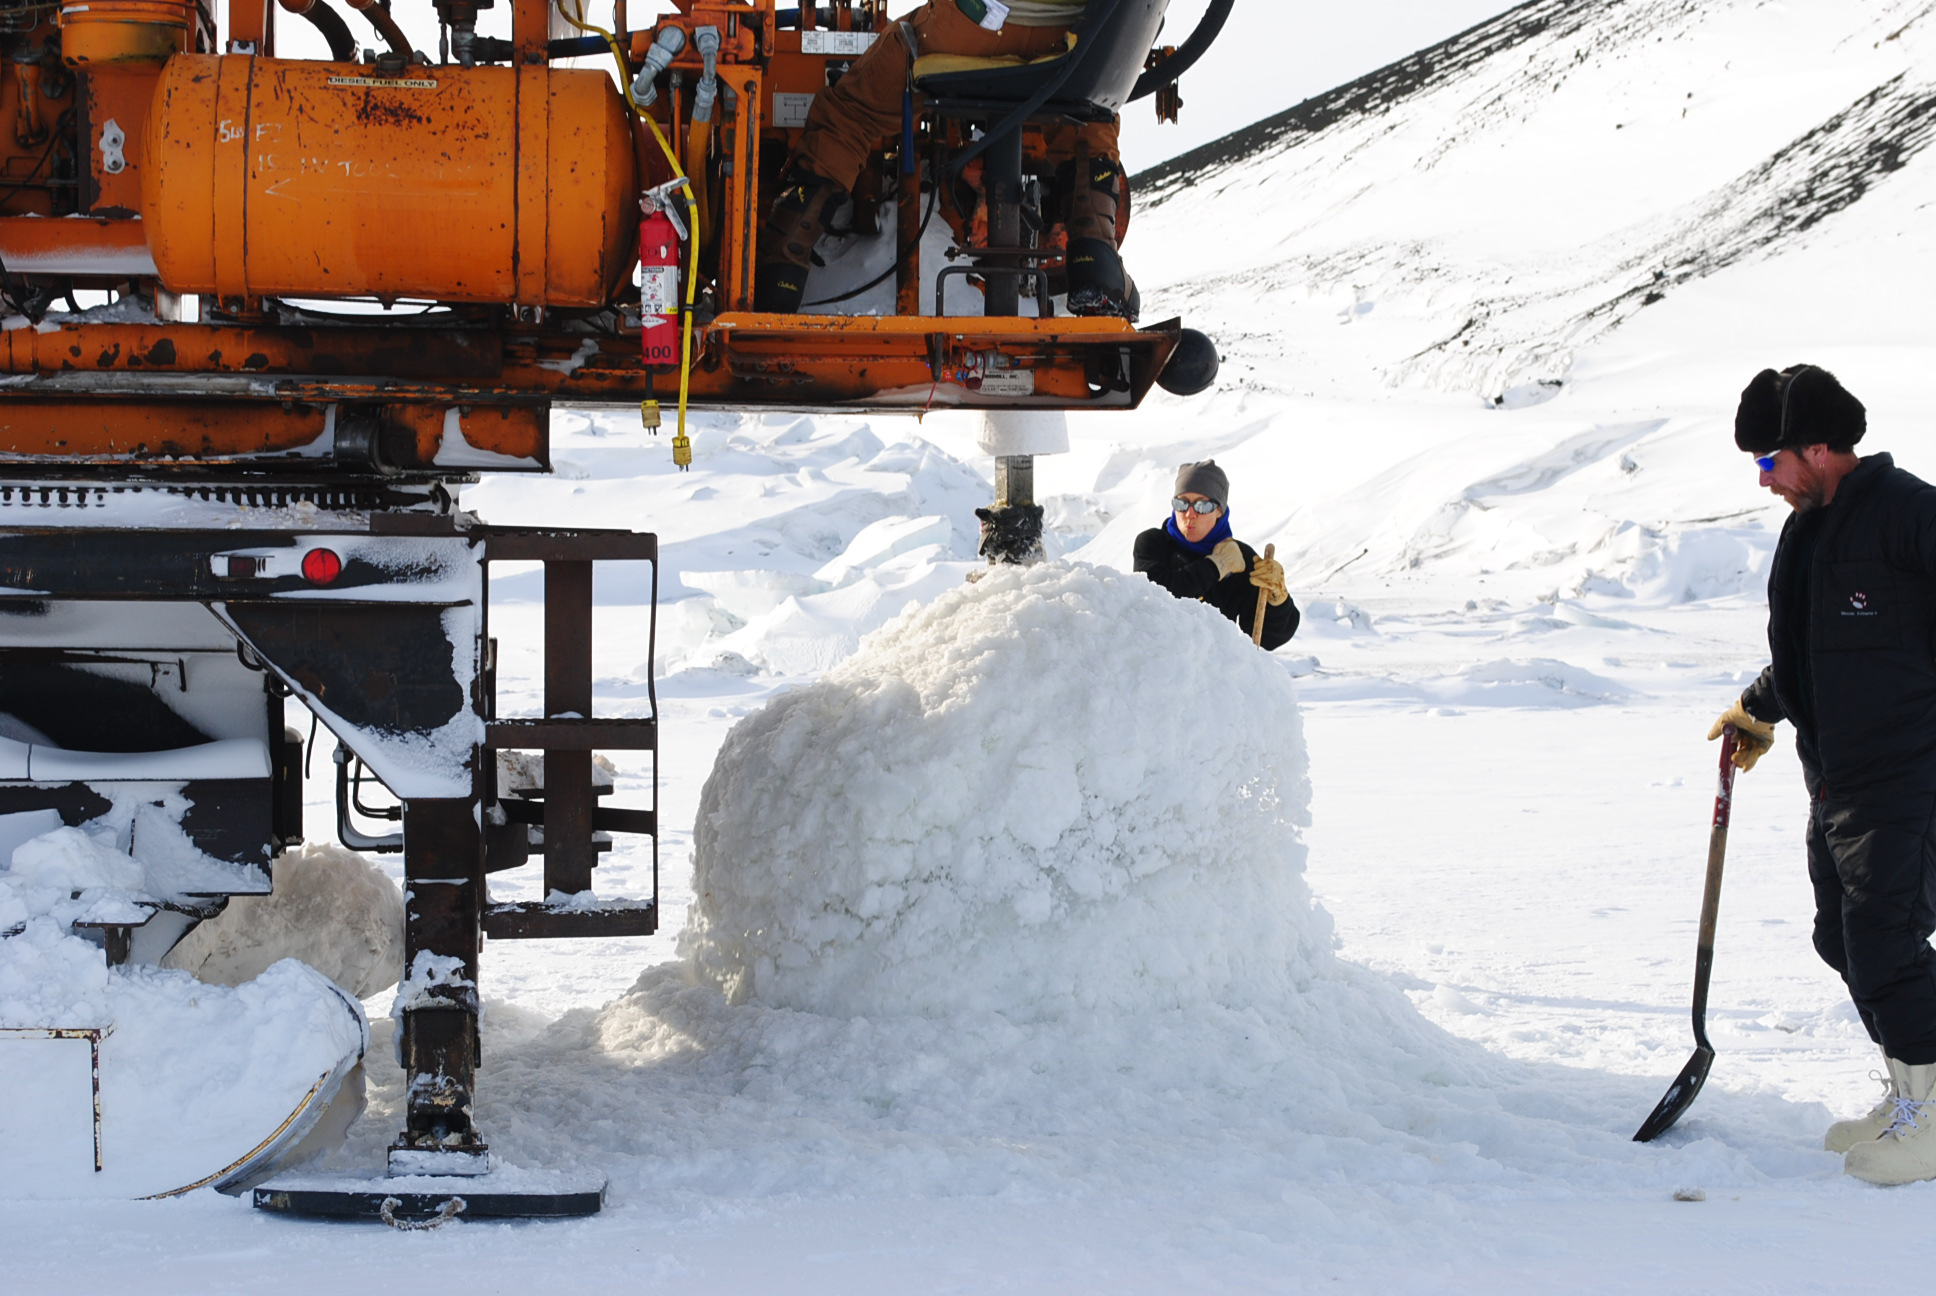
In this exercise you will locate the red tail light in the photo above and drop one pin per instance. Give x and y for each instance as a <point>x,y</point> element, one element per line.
<point>321,566</point>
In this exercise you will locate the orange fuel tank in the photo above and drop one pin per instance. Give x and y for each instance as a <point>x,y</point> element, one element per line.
<point>273,177</point>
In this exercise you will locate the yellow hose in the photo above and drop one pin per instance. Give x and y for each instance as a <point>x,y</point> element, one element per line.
<point>681,445</point>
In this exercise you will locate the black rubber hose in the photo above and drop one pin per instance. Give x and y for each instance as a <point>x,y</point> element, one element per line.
<point>1208,28</point>
<point>342,45</point>
<point>386,26</point>
<point>934,199</point>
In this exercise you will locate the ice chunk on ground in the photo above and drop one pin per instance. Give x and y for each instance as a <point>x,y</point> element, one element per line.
<point>879,541</point>
<point>1051,791</point>
<point>331,908</point>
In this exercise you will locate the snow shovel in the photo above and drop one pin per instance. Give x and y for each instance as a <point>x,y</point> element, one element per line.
<point>1680,1095</point>
<point>1257,620</point>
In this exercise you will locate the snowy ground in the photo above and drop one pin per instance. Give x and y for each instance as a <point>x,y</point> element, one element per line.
<point>1525,600</point>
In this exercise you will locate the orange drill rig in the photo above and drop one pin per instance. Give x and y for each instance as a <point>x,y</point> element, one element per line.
<point>321,294</point>
<point>238,195</point>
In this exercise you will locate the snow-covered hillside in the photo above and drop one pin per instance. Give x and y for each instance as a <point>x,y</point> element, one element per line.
<point>1485,317</point>
<point>1508,196</point>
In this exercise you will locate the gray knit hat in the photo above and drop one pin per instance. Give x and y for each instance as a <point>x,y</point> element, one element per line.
<point>1204,479</point>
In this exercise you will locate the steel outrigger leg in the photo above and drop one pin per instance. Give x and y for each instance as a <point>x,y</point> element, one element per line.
<point>443,878</point>
<point>440,1166</point>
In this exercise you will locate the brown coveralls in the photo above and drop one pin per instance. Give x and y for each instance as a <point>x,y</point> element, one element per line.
<point>851,118</point>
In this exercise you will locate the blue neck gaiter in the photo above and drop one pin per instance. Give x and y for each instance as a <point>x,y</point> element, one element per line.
<point>1218,534</point>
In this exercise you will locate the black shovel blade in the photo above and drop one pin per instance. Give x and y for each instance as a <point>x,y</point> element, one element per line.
<point>1679,1097</point>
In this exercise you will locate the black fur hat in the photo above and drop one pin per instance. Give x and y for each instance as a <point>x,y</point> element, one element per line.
<point>1802,405</point>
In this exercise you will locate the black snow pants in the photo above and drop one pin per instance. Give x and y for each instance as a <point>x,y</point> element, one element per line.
<point>1872,861</point>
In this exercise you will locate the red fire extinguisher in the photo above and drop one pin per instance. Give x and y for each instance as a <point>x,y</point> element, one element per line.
<point>660,234</point>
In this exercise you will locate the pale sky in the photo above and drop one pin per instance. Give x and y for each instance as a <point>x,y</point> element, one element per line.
<point>1275,53</point>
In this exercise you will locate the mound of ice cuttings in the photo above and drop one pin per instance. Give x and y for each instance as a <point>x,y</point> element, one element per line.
<point>1055,790</point>
<point>1012,902</point>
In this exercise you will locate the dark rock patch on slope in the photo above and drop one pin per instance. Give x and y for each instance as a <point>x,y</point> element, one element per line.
<point>1376,92</point>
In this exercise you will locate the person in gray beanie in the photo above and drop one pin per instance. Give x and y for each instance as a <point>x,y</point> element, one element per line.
<point>1193,555</point>
<point>1851,615</point>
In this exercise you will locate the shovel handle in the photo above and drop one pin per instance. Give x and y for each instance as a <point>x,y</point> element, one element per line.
<point>1717,849</point>
<point>1263,601</point>
<point>1688,1083</point>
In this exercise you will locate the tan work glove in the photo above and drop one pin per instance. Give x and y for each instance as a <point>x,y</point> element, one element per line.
<point>1267,574</point>
<point>1752,737</point>
<point>1228,557</point>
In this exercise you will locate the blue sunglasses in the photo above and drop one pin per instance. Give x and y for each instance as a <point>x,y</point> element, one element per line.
<point>1766,462</point>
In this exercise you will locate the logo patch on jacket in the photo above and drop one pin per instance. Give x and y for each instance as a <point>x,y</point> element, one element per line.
<point>1860,603</point>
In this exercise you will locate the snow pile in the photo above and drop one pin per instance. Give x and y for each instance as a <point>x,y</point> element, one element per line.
<point>1058,789</point>
<point>331,908</point>
<point>1012,905</point>
<point>72,876</point>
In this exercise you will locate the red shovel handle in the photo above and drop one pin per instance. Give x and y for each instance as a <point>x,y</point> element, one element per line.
<point>1724,797</point>
<point>1717,849</point>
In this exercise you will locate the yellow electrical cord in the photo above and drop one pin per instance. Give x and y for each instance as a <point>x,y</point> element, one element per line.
<point>681,445</point>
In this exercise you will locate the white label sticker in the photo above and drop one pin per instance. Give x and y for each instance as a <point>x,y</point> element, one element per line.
<point>791,109</point>
<point>384,83</point>
<point>1008,382</point>
<point>845,43</point>
<point>658,290</point>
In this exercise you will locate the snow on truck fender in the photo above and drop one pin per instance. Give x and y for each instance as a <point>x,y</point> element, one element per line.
<point>440,577</point>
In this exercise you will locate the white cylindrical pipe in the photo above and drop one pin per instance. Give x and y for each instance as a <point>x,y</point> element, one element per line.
<point>1010,432</point>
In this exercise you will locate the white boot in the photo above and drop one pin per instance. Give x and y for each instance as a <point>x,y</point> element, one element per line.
<point>1906,1151</point>
<point>1845,1134</point>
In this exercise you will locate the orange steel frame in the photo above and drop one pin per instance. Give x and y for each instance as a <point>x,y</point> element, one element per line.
<point>244,382</point>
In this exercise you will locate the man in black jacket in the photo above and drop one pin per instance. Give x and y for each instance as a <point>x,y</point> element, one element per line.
<point>1851,620</point>
<point>1193,555</point>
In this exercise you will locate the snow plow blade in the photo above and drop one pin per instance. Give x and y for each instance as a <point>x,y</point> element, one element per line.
<point>105,1113</point>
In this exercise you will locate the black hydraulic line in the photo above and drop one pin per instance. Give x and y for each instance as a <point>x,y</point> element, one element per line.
<point>7,280</point>
<point>1208,28</point>
<point>342,45</point>
<point>933,197</point>
<point>380,18</point>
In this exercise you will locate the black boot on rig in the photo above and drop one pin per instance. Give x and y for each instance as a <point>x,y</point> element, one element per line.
<point>1098,284</point>
<point>1097,215</point>
<point>798,218</point>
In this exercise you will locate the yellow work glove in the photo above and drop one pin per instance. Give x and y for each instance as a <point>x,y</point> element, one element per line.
<point>1267,574</point>
<point>1752,737</point>
<point>1228,557</point>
